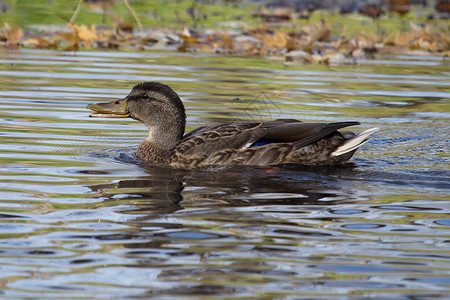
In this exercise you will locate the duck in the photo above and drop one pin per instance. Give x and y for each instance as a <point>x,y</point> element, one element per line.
<point>263,144</point>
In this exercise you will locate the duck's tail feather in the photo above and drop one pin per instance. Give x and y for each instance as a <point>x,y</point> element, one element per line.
<point>354,142</point>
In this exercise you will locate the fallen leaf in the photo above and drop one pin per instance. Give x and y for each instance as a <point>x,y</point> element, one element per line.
<point>317,31</point>
<point>85,34</point>
<point>39,42</point>
<point>12,34</point>
<point>298,41</point>
<point>404,39</point>
<point>189,42</point>
<point>346,46</point>
<point>72,39</point>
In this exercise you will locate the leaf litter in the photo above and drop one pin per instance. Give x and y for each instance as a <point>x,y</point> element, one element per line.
<point>275,36</point>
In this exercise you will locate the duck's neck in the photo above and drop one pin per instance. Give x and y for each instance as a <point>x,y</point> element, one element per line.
<point>159,143</point>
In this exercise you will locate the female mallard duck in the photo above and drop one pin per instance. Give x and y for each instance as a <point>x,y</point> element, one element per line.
<point>283,141</point>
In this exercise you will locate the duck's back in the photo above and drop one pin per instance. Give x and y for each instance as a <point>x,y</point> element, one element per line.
<point>275,142</point>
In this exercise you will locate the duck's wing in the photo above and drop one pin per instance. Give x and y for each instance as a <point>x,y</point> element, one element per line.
<point>239,141</point>
<point>301,134</point>
<point>210,139</point>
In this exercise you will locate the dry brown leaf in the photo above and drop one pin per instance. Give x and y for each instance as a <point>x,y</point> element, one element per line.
<point>366,41</point>
<point>189,40</point>
<point>12,34</point>
<point>269,39</point>
<point>33,42</point>
<point>405,39</point>
<point>205,48</point>
<point>227,41</point>
<point>85,34</point>
<point>424,42</point>
<point>2,36</point>
<point>189,43</point>
<point>39,42</point>
<point>280,39</point>
<point>317,31</point>
<point>72,39</point>
<point>443,43</point>
<point>292,44</point>
<point>372,37</point>
<point>221,41</point>
<point>305,44</point>
<point>346,46</point>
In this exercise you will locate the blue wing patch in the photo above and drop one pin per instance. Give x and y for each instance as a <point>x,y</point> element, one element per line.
<point>257,144</point>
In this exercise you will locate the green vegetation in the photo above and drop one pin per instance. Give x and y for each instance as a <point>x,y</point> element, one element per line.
<point>191,13</point>
<point>327,36</point>
<point>160,13</point>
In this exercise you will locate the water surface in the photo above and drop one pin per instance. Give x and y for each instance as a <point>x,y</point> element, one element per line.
<point>82,218</point>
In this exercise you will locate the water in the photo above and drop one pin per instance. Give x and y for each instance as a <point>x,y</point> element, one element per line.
<point>82,218</point>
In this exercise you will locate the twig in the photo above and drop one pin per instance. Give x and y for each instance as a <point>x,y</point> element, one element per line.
<point>127,4</point>
<point>75,14</point>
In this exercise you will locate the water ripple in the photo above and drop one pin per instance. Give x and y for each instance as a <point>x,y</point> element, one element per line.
<point>80,216</point>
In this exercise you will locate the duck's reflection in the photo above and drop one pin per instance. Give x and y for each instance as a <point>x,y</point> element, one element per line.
<point>158,193</point>
<point>164,189</point>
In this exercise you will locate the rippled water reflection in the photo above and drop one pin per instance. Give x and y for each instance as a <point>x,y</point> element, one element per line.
<point>81,218</point>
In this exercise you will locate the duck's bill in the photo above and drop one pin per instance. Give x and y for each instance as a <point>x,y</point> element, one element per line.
<point>113,109</point>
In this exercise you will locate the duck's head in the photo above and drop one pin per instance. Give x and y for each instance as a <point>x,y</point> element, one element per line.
<point>152,103</point>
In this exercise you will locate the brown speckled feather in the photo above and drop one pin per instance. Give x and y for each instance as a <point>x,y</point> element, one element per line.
<point>228,144</point>
<point>215,138</point>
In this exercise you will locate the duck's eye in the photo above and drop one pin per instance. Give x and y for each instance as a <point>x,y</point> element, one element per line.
<point>145,96</point>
